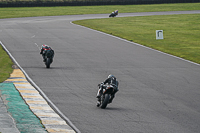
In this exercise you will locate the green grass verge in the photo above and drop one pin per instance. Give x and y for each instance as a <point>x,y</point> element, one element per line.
<point>6,65</point>
<point>72,10</point>
<point>181,32</point>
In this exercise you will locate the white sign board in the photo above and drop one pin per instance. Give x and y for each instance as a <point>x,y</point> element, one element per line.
<point>159,34</point>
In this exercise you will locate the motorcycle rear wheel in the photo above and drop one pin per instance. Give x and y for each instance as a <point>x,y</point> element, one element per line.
<point>48,62</point>
<point>105,101</point>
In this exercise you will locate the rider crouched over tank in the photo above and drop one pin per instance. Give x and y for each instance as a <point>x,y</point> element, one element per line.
<point>45,48</point>
<point>111,80</point>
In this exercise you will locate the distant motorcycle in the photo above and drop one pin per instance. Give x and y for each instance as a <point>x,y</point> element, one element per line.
<point>49,57</point>
<point>114,14</point>
<point>105,97</point>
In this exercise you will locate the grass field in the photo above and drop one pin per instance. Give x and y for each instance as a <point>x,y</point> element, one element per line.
<point>181,32</point>
<point>72,10</point>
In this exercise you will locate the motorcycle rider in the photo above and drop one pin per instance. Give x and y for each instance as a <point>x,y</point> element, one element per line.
<point>111,80</point>
<point>116,12</point>
<point>43,51</point>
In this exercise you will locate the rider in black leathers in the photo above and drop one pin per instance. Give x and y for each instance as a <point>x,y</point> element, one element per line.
<point>43,51</point>
<point>111,80</point>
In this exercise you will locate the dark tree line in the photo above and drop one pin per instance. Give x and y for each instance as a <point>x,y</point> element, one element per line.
<point>33,3</point>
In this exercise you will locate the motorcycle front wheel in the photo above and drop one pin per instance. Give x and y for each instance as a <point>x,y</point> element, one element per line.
<point>105,101</point>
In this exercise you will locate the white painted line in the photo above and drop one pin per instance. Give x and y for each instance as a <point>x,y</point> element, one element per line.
<point>25,89</point>
<point>25,85</point>
<point>37,46</point>
<point>13,122</point>
<point>46,114</point>
<point>33,36</point>
<point>135,43</point>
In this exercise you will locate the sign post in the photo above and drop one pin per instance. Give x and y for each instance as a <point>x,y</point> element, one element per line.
<point>159,34</point>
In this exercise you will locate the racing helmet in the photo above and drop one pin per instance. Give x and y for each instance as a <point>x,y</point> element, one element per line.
<point>111,76</point>
<point>44,46</point>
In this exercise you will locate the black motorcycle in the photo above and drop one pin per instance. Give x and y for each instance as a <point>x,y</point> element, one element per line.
<point>106,96</point>
<point>49,57</point>
<point>114,14</point>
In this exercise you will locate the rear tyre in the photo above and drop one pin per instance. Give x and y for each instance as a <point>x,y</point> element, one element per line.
<point>48,62</point>
<point>105,101</point>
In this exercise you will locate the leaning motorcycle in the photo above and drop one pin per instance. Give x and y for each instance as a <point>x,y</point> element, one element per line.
<point>114,14</point>
<point>49,58</point>
<point>106,96</point>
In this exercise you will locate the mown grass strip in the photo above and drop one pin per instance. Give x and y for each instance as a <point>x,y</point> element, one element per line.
<point>181,32</point>
<point>73,10</point>
<point>5,65</point>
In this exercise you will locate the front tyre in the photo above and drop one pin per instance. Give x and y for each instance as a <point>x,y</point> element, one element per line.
<point>105,101</point>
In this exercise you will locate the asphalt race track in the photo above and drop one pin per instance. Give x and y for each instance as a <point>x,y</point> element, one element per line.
<point>158,93</point>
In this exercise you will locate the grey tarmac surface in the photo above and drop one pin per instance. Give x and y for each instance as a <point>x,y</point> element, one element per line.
<point>7,123</point>
<point>158,92</point>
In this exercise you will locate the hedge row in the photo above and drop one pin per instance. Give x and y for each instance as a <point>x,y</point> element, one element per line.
<point>32,3</point>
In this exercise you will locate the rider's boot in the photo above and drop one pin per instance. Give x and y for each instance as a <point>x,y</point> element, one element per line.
<point>98,101</point>
<point>99,93</point>
<point>44,59</point>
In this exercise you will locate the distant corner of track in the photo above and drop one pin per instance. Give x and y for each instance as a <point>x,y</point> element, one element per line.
<point>195,11</point>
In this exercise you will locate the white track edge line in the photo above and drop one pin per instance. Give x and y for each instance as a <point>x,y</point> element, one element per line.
<point>136,44</point>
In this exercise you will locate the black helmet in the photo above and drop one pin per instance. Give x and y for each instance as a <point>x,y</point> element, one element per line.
<point>111,76</point>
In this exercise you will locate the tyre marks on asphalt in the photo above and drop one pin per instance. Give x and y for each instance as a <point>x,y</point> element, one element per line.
<point>38,105</point>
